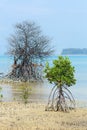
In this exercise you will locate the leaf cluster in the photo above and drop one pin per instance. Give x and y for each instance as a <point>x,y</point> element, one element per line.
<point>61,73</point>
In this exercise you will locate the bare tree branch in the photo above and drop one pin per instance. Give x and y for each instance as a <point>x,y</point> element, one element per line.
<point>28,47</point>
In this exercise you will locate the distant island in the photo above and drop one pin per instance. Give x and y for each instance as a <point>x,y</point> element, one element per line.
<point>74,51</point>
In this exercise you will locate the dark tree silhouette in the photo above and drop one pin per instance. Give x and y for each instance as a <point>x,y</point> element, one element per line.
<point>62,75</point>
<point>29,47</point>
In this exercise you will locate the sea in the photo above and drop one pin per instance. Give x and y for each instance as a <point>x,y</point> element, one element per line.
<point>79,90</point>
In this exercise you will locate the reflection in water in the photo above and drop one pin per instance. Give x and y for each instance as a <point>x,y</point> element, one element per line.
<point>39,92</point>
<point>6,92</point>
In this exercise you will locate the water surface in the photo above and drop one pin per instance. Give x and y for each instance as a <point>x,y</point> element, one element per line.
<point>41,90</point>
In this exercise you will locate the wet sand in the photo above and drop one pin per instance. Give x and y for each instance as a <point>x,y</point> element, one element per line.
<point>17,116</point>
<point>14,115</point>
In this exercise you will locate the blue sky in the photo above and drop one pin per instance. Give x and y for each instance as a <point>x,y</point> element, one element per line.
<point>65,21</point>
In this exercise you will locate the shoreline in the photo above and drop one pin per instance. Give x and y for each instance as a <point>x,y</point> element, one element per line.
<point>17,116</point>
<point>18,84</point>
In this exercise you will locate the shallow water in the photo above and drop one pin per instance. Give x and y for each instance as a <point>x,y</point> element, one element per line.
<point>41,90</point>
<point>39,93</point>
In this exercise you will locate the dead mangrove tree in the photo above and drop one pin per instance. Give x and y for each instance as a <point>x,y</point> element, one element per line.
<point>29,47</point>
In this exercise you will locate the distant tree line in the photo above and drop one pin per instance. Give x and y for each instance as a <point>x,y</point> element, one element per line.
<point>74,51</point>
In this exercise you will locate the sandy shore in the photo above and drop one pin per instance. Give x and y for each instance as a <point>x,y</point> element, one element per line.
<point>17,116</point>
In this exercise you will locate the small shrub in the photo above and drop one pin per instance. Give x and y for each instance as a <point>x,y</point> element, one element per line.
<point>1,95</point>
<point>61,74</point>
<point>26,90</point>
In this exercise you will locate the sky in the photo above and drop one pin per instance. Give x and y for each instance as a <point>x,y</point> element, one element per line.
<point>64,21</point>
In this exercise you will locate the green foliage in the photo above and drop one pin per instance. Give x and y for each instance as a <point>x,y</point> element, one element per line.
<point>1,96</point>
<point>25,93</point>
<point>61,73</point>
